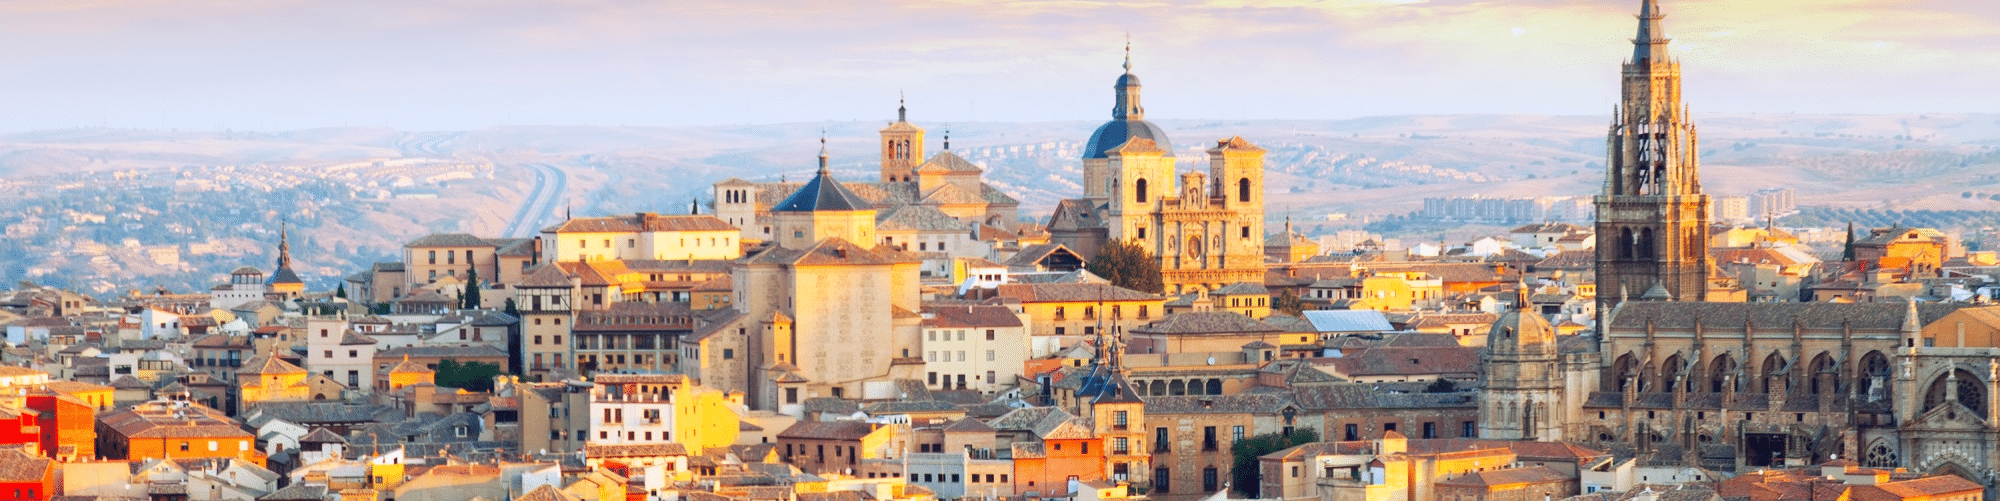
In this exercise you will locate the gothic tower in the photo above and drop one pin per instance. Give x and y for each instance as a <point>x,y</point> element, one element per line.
<point>902,148</point>
<point>1652,220</point>
<point>1522,380</point>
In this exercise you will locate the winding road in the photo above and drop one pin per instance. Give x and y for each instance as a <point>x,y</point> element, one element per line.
<point>550,183</point>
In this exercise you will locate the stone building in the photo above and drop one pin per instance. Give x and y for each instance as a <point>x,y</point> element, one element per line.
<point>1206,229</point>
<point>1652,220</point>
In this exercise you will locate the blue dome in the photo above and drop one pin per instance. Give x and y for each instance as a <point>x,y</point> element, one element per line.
<point>1128,79</point>
<point>1115,133</point>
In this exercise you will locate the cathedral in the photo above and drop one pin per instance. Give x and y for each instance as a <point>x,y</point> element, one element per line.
<point>1205,229</point>
<point>1734,387</point>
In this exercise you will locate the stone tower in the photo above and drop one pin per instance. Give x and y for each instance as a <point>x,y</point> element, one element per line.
<point>1652,220</point>
<point>902,148</point>
<point>1522,383</point>
<point>1101,172</point>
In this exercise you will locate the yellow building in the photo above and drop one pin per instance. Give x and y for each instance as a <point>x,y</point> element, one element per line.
<point>271,379</point>
<point>98,396</point>
<point>1249,298</point>
<point>1400,291</point>
<point>705,418</point>
<point>642,236</point>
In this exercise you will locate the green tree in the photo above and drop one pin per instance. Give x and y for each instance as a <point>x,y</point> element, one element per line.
<point>512,309</point>
<point>380,309</point>
<point>471,299</point>
<point>1289,303</point>
<point>1441,385</point>
<point>1244,472</point>
<point>1127,265</point>
<point>341,291</point>
<point>469,376</point>
<point>1847,252</point>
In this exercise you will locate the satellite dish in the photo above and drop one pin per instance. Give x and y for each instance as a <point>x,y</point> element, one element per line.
<point>1211,360</point>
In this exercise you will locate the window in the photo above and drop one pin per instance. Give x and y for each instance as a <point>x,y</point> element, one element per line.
<point>1118,446</point>
<point>433,260</point>
<point>184,446</point>
<point>989,334</point>
<point>1208,438</point>
<point>1209,478</point>
<point>990,356</point>
<point>728,353</point>
<point>328,353</point>
<point>353,354</point>
<point>1236,434</point>
<point>1086,448</point>
<point>1352,432</point>
<point>791,395</point>
<point>214,446</point>
<point>1468,430</point>
<point>1118,419</point>
<point>1430,430</point>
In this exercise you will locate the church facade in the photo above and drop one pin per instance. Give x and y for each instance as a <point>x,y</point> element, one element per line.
<point>1205,229</point>
<point>1735,387</point>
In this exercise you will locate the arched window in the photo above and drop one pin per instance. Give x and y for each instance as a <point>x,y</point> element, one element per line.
<point>1971,392</point>
<point>1625,243</point>
<point>1243,190</point>
<point>1646,250</point>
<point>1139,190</point>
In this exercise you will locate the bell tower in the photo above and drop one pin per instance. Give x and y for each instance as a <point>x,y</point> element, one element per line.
<point>1652,220</point>
<point>902,148</point>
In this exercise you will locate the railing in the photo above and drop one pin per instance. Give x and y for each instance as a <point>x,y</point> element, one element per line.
<point>1160,447</point>
<point>1208,446</point>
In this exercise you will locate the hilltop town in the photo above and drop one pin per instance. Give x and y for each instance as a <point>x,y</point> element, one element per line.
<point>930,331</point>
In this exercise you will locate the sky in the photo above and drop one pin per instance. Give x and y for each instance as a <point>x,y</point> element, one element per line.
<point>469,64</point>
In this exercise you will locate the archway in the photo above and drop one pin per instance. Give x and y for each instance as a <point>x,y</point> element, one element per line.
<point>1971,392</point>
<point>1719,372</point>
<point>1215,386</point>
<point>1670,372</point>
<point>1158,387</point>
<point>1880,455</point>
<point>1873,381</point>
<point>1622,369</point>
<point>1774,368</point>
<point>1824,375</point>
<point>1177,388</point>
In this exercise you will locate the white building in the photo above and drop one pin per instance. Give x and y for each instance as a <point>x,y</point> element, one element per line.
<point>633,409</point>
<point>974,347</point>
<point>334,349</point>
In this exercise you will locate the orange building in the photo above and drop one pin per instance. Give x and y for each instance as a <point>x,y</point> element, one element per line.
<point>1067,452</point>
<point>173,429</point>
<point>271,379</point>
<point>68,424</point>
<point>26,477</point>
<point>98,396</point>
<point>403,375</point>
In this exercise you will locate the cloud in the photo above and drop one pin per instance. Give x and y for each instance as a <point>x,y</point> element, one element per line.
<point>470,63</point>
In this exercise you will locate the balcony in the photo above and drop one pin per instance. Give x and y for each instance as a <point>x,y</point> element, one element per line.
<point>1208,446</point>
<point>1160,447</point>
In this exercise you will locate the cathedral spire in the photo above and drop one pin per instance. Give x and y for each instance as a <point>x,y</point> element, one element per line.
<point>902,113</point>
<point>1651,44</point>
<point>284,246</point>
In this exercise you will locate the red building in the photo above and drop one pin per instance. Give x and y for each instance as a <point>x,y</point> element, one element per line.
<point>68,425</point>
<point>20,429</point>
<point>26,477</point>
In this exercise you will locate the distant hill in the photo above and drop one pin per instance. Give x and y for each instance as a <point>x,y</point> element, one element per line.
<point>1362,167</point>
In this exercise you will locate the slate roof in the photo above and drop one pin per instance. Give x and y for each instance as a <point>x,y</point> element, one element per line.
<point>1387,361</point>
<point>475,351</point>
<point>1348,321</point>
<point>1076,214</point>
<point>1367,396</point>
<point>1861,316</point>
<point>1036,420</point>
<point>1119,132</point>
<point>822,193</point>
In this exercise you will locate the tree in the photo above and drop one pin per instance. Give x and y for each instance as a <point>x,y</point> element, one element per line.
<point>1441,385</point>
<point>511,309</point>
<point>341,291</point>
<point>1127,265</point>
<point>1289,303</point>
<point>471,300</point>
<point>469,376</point>
<point>1847,252</point>
<point>1244,472</point>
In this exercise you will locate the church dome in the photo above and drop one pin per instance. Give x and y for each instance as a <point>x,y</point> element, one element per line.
<point>1128,80</point>
<point>1117,132</point>
<point>1519,331</point>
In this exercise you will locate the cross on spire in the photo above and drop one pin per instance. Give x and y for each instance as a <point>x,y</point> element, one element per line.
<point>1128,52</point>
<point>822,152</point>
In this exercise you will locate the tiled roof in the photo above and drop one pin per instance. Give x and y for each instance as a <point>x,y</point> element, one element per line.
<point>1205,322</point>
<point>545,276</point>
<point>1530,475</point>
<point>1037,420</point>
<point>449,240</point>
<point>1054,293</point>
<point>19,466</point>
<point>269,365</point>
<point>627,451</point>
<point>828,252</point>
<point>1241,288</point>
<point>972,316</point>
<point>917,218</point>
<point>1244,403</point>
<point>827,430</point>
